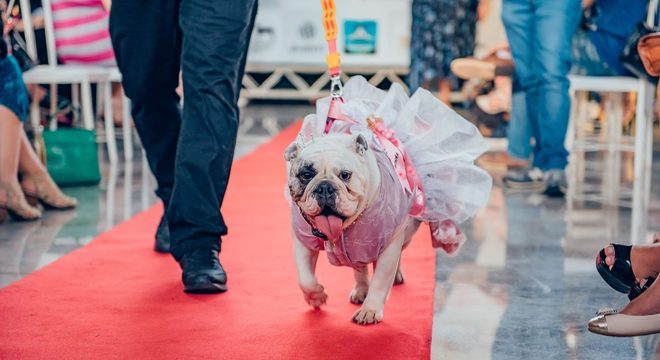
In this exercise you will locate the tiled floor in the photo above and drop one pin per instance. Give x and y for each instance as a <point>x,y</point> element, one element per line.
<point>523,286</point>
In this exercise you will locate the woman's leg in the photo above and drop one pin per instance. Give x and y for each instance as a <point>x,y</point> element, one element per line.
<point>648,303</point>
<point>36,180</point>
<point>11,195</point>
<point>444,90</point>
<point>10,140</point>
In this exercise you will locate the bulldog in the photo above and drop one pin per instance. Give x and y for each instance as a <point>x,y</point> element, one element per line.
<point>347,200</point>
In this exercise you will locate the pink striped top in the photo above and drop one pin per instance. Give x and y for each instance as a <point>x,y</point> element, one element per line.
<point>81,32</point>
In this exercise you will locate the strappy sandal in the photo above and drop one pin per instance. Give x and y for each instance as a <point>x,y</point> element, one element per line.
<point>51,200</point>
<point>16,206</point>
<point>621,277</point>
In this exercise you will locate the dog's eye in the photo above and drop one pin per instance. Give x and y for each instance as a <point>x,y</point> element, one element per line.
<point>345,175</point>
<point>306,176</point>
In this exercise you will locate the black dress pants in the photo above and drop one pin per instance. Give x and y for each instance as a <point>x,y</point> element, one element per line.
<point>190,153</point>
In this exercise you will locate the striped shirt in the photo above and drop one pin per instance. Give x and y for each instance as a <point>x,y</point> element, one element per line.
<point>81,32</point>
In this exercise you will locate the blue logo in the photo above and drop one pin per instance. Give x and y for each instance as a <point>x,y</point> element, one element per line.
<point>360,36</point>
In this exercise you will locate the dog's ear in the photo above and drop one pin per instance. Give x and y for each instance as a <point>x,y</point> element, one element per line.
<point>360,144</point>
<point>292,151</point>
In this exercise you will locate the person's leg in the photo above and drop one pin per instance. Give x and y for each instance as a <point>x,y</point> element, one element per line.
<point>10,141</point>
<point>36,182</point>
<point>519,131</point>
<point>648,303</point>
<point>147,42</point>
<point>11,195</point>
<point>518,19</point>
<point>146,38</point>
<point>518,24</point>
<point>554,25</point>
<point>215,41</point>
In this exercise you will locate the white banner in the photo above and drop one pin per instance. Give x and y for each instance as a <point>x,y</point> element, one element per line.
<point>371,32</point>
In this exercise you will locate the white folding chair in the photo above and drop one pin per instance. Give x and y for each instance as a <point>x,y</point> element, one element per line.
<point>80,77</point>
<point>613,142</point>
<point>127,122</point>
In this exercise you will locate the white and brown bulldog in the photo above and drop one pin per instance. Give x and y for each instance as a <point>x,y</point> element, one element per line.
<point>347,201</point>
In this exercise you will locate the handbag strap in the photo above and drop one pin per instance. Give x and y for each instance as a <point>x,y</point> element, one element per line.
<point>651,13</point>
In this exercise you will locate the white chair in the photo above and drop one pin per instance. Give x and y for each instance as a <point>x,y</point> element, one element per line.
<point>614,142</point>
<point>80,77</point>
<point>127,120</point>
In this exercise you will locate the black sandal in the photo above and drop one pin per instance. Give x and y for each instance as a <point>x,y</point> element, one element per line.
<point>621,278</point>
<point>637,289</point>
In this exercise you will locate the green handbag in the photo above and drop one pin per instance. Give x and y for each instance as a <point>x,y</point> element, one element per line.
<point>72,156</point>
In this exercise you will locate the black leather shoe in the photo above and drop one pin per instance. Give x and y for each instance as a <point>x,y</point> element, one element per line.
<point>162,244</point>
<point>203,273</point>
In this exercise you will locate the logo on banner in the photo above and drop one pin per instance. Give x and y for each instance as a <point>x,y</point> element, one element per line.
<point>360,36</point>
<point>307,41</point>
<point>263,37</point>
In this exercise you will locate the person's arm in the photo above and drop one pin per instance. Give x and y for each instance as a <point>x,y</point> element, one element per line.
<point>107,4</point>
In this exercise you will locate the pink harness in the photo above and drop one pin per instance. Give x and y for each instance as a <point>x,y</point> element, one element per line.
<point>400,195</point>
<point>395,151</point>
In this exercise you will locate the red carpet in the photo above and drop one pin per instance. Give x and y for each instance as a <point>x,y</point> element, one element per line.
<point>117,299</point>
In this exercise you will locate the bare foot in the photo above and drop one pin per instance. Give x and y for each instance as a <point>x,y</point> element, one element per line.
<point>44,188</point>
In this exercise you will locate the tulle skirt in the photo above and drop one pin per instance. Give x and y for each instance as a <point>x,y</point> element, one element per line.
<point>441,144</point>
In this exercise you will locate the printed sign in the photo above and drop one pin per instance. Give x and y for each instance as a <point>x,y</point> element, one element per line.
<point>360,36</point>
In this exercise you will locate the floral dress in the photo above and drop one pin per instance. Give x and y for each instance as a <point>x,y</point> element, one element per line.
<point>442,30</point>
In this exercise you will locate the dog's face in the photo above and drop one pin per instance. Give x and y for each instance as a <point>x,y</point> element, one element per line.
<point>329,179</point>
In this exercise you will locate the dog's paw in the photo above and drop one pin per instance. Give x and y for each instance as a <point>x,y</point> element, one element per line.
<point>368,316</point>
<point>358,294</point>
<point>399,278</point>
<point>315,295</point>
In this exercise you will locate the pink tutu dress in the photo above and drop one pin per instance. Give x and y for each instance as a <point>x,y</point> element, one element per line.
<point>439,148</point>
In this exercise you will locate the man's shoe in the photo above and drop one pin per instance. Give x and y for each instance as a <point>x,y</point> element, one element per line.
<point>203,273</point>
<point>524,179</point>
<point>555,183</point>
<point>162,244</point>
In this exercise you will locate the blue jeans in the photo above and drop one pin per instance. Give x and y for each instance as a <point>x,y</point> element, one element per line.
<point>539,34</point>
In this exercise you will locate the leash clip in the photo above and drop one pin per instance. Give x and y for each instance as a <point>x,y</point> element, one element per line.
<point>336,88</point>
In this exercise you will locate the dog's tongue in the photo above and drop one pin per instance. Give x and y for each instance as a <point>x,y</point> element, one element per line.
<point>331,226</point>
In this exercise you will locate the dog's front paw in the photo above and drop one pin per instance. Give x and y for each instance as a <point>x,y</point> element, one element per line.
<point>315,295</point>
<point>367,315</point>
<point>358,294</point>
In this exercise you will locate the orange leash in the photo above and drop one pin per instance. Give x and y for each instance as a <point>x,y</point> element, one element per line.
<point>333,59</point>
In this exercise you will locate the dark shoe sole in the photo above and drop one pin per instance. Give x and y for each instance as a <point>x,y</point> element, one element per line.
<point>35,201</point>
<point>621,277</point>
<point>554,191</point>
<point>206,288</point>
<point>523,185</point>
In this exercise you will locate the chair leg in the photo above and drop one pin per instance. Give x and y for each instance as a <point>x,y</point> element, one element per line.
<point>35,114</point>
<point>640,204</point>
<point>127,127</point>
<point>53,101</point>
<point>87,113</point>
<point>75,101</point>
<point>111,140</point>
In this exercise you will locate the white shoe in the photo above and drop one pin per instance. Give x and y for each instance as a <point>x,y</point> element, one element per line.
<point>613,324</point>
